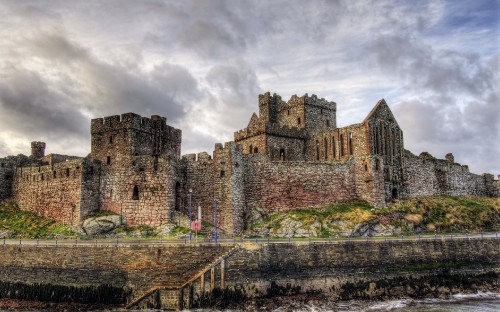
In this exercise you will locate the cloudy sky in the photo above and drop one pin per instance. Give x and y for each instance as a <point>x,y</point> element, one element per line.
<point>202,65</point>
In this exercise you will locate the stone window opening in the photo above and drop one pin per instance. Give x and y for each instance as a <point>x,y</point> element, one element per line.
<point>328,123</point>
<point>334,149</point>
<point>350,144</point>
<point>321,111</point>
<point>282,154</point>
<point>298,121</point>
<point>394,193</point>
<point>111,140</point>
<point>141,169</point>
<point>255,150</point>
<point>317,150</point>
<point>54,174</point>
<point>325,143</point>
<point>67,172</point>
<point>288,112</point>
<point>2,165</point>
<point>43,178</point>
<point>251,149</point>
<point>135,194</point>
<point>341,145</point>
<point>222,173</point>
<point>108,160</point>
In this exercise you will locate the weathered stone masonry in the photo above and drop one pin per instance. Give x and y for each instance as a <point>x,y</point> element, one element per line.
<point>291,155</point>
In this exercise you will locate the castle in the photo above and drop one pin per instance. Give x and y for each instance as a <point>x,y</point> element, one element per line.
<point>292,155</point>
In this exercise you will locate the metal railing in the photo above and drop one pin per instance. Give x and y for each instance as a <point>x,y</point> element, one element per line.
<point>233,239</point>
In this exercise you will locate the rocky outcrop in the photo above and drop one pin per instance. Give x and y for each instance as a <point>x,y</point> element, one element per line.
<point>101,225</point>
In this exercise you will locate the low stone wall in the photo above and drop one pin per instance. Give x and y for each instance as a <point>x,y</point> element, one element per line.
<point>358,270</point>
<point>176,277</point>
<point>127,272</point>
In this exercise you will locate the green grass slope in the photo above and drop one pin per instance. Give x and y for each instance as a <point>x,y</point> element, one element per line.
<point>23,224</point>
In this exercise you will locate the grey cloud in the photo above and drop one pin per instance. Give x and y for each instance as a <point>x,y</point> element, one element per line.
<point>455,99</point>
<point>29,106</point>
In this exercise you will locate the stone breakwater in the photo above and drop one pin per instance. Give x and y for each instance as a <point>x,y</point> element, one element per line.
<point>176,277</point>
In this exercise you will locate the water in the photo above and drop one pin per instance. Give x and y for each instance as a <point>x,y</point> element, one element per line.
<point>480,302</point>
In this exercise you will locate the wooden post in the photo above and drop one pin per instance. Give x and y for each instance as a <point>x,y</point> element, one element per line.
<point>222,274</point>
<point>202,282</point>
<point>212,278</point>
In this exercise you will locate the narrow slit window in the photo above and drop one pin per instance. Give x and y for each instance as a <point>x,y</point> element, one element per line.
<point>108,160</point>
<point>67,172</point>
<point>334,149</point>
<point>325,142</point>
<point>317,150</point>
<point>341,145</point>
<point>255,150</point>
<point>282,154</point>
<point>351,149</point>
<point>135,195</point>
<point>111,140</point>
<point>222,173</point>
<point>298,121</point>
<point>251,149</point>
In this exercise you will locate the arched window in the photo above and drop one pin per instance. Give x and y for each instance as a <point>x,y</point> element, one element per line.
<point>282,154</point>
<point>341,145</point>
<point>394,193</point>
<point>325,143</point>
<point>317,150</point>
<point>135,195</point>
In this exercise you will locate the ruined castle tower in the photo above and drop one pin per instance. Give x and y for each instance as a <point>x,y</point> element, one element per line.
<point>37,149</point>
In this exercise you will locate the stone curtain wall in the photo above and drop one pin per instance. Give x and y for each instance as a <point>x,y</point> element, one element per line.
<point>56,191</point>
<point>281,186</point>
<point>425,175</point>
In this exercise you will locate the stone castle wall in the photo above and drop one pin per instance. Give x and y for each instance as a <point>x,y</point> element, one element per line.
<point>281,186</point>
<point>64,191</point>
<point>425,175</point>
<point>141,189</point>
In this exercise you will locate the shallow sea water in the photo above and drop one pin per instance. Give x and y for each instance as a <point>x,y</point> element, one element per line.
<point>480,302</point>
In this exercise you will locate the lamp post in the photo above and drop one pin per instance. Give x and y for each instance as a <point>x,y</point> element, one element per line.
<point>215,220</point>
<point>190,214</point>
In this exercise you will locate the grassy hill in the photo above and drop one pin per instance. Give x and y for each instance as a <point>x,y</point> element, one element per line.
<point>23,224</point>
<point>436,213</point>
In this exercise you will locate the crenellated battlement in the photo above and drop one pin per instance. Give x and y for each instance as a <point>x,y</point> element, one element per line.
<point>313,100</point>
<point>126,121</point>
